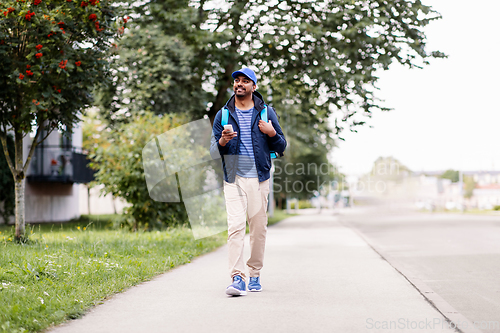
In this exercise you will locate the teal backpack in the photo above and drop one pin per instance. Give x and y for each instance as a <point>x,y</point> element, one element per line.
<point>263,116</point>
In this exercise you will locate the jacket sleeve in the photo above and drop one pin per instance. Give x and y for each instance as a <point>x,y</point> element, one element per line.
<point>216,150</point>
<point>278,142</point>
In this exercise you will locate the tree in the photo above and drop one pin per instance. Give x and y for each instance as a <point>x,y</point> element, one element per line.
<point>153,69</point>
<point>305,167</point>
<point>469,186</point>
<point>389,169</point>
<point>328,50</point>
<point>452,175</point>
<point>53,54</point>
<point>153,73</point>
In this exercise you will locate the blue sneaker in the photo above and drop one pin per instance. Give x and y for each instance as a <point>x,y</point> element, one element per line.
<point>237,288</point>
<point>254,284</point>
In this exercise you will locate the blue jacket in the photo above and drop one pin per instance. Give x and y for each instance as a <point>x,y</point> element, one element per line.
<point>262,143</point>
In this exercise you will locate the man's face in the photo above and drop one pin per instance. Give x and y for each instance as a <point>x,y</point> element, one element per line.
<point>243,86</point>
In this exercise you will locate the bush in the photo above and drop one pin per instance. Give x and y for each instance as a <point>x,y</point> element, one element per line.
<point>497,207</point>
<point>117,157</point>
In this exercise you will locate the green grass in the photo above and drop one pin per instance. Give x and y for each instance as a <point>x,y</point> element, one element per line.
<point>65,269</point>
<point>476,211</point>
<point>473,211</point>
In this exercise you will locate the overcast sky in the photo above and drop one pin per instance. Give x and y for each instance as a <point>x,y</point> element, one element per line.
<point>447,115</point>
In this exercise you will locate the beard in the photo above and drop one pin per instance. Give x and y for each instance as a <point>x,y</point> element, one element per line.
<point>241,92</point>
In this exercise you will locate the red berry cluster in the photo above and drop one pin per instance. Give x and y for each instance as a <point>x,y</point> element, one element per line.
<point>63,63</point>
<point>8,11</point>
<point>97,27</point>
<point>29,16</point>
<point>61,26</point>
<point>37,2</point>
<point>92,17</point>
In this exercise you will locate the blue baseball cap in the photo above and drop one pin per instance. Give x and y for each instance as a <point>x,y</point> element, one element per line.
<point>247,72</point>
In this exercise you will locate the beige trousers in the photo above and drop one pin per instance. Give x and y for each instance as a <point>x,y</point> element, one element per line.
<point>246,198</point>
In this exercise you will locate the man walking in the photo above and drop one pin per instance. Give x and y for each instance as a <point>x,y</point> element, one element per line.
<point>246,161</point>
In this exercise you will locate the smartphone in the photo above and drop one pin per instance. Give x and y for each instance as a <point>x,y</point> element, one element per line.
<point>228,127</point>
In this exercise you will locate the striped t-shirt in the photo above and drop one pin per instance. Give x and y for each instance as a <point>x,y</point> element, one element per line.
<point>246,157</point>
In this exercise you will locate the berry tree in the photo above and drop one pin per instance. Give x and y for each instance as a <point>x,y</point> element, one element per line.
<point>53,53</point>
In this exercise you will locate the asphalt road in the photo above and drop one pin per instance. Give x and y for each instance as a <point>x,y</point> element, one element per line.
<point>454,257</point>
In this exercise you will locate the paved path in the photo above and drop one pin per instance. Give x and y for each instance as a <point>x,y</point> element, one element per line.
<point>319,276</point>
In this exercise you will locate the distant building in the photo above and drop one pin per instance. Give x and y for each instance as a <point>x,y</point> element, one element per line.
<point>59,164</point>
<point>484,177</point>
<point>486,196</point>
<point>427,190</point>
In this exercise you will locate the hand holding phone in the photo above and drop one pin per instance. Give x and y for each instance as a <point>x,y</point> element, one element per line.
<point>227,135</point>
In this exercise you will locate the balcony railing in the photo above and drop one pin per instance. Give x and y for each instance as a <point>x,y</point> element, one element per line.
<point>60,164</point>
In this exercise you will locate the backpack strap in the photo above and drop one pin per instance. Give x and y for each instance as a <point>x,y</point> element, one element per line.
<point>263,116</point>
<point>263,113</point>
<point>225,116</point>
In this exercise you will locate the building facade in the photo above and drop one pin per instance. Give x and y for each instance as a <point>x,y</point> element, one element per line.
<point>57,168</point>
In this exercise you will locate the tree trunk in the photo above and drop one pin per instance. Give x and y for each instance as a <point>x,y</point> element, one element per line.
<point>220,99</point>
<point>88,199</point>
<point>19,180</point>
<point>18,169</point>
<point>19,190</point>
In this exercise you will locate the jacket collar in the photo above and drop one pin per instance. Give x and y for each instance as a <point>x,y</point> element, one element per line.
<point>258,101</point>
